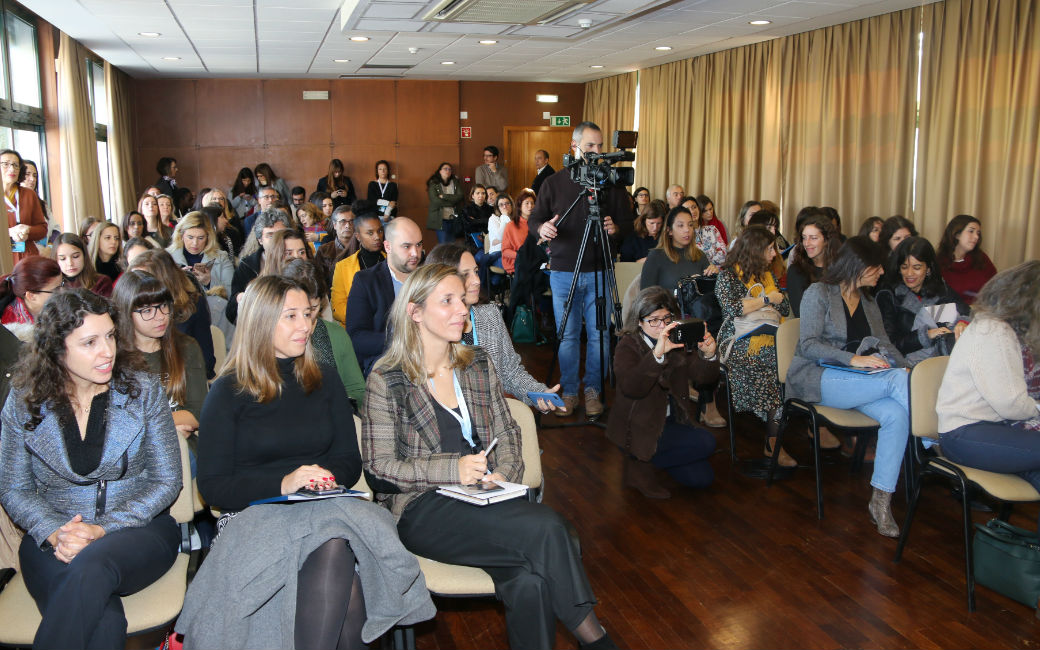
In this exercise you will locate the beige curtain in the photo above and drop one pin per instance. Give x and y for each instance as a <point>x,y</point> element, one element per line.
<point>611,104</point>
<point>711,124</point>
<point>120,140</point>
<point>80,179</point>
<point>849,104</point>
<point>980,123</point>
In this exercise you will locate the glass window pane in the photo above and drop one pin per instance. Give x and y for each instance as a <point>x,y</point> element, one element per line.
<point>102,155</point>
<point>100,96</point>
<point>25,70</point>
<point>6,139</point>
<point>29,146</point>
<point>3,75</point>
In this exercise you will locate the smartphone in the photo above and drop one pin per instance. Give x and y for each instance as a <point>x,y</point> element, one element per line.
<point>689,332</point>
<point>339,489</point>
<point>552,398</point>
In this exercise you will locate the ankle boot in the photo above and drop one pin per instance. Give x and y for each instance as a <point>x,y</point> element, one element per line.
<point>881,513</point>
<point>639,475</point>
<point>602,643</point>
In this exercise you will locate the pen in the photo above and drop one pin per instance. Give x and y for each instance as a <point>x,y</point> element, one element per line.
<point>487,451</point>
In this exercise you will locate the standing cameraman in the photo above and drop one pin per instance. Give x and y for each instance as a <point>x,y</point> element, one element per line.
<point>557,194</point>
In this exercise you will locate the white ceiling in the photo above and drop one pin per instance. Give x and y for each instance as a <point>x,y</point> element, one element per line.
<point>302,38</point>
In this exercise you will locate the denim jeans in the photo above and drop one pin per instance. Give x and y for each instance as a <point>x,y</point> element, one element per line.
<point>445,234</point>
<point>484,262</point>
<point>883,397</point>
<point>583,307</point>
<point>995,447</point>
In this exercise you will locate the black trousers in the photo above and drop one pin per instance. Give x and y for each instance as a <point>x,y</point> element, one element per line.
<point>80,600</point>
<point>525,547</point>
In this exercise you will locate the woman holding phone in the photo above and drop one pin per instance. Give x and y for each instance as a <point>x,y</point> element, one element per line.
<point>195,248</point>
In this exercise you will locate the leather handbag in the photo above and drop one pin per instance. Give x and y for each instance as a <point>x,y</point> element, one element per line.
<point>742,325</point>
<point>696,297</point>
<point>1007,560</point>
<point>524,329</point>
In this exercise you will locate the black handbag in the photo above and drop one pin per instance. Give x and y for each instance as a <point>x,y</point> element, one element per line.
<point>1007,560</point>
<point>696,297</point>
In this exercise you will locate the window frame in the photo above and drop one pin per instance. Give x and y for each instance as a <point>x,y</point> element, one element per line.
<point>16,115</point>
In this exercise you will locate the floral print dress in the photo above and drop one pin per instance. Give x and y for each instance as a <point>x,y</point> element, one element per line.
<point>711,243</point>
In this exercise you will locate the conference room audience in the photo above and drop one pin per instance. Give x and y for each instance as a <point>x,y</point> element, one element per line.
<point>676,255</point>
<point>872,228</point>
<point>382,192</point>
<point>745,284</point>
<point>817,247</point>
<point>243,193</point>
<point>337,184</point>
<point>988,400</point>
<point>652,418</point>
<point>965,266</point>
<point>98,425</point>
<point>646,229</point>
<point>265,177</point>
<point>105,249</point>
<point>911,285</point>
<point>432,407</point>
<point>445,195</point>
<point>894,230</point>
<point>368,229</point>
<point>515,231</point>
<point>26,223</point>
<point>25,290</point>
<point>841,322</point>
<point>78,271</point>
<point>339,554</point>
<point>195,248</point>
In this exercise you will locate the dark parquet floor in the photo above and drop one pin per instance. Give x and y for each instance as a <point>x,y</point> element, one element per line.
<point>740,565</point>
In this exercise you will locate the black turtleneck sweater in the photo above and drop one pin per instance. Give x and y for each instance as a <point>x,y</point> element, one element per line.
<point>246,448</point>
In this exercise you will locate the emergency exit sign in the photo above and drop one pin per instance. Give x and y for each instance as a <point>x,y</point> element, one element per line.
<point>561,120</point>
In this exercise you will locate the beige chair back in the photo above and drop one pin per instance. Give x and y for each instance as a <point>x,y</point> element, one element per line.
<point>183,509</point>
<point>531,452</point>
<point>362,484</point>
<point>629,297</point>
<point>219,347</point>
<point>786,344</point>
<point>624,272</point>
<point>925,380</point>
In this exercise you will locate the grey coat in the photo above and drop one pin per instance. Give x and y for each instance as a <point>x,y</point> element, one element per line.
<point>492,335</point>
<point>244,596</point>
<point>140,462</point>
<point>220,275</point>
<point>823,335</point>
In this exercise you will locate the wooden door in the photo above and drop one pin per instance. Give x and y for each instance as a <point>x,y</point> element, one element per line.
<point>523,141</point>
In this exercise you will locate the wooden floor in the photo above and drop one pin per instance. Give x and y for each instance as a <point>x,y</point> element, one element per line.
<point>740,565</point>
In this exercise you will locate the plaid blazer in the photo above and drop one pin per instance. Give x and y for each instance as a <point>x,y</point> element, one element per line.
<point>401,444</point>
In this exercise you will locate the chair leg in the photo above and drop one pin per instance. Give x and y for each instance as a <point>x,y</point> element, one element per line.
<point>1005,510</point>
<point>729,421</point>
<point>909,467</point>
<point>816,463</point>
<point>774,460</point>
<point>969,560</point>
<point>409,638</point>
<point>911,508</point>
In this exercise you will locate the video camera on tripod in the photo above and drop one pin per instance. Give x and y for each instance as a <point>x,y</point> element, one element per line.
<point>594,170</point>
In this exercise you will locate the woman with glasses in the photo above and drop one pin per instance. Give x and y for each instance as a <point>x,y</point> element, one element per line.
<point>652,418</point>
<point>641,199</point>
<point>77,267</point>
<point>26,222</point>
<point>25,290</point>
<point>144,306</point>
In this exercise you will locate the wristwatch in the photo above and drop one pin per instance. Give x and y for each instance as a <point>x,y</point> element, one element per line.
<point>765,297</point>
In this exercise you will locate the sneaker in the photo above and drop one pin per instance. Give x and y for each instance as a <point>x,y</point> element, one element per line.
<point>570,402</point>
<point>593,405</point>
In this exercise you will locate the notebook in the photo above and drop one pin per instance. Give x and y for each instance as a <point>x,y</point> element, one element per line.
<point>296,497</point>
<point>837,365</point>
<point>485,492</point>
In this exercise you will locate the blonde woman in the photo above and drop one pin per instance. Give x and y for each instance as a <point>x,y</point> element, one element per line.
<point>105,248</point>
<point>432,408</point>
<point>195,248</point>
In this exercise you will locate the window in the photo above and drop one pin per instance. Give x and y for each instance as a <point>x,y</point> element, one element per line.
<point>99,105</point>
<point>25,64</point>
<point>21,102</point>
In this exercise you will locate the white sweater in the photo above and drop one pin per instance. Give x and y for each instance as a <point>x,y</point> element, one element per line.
<point>985,379</point>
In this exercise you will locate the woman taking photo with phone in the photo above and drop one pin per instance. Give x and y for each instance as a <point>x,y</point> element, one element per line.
<point>195,249</point>
<point>90,466</point>
<point>652,418</point>
<point>432,408</point>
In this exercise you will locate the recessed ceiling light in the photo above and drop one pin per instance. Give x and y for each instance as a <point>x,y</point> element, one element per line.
<point>359,39</point>
<point>597,67</point>
<point>171,58</point>
<point>488,42</point>
<point>341,60</point>
<point>662,48</point>
<point>447,63</point>
<point>149,34</point>
<point>759,22</point>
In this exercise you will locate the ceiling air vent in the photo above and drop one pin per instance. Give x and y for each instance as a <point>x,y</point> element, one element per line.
<point>508,12</point>
<point>379,70</point>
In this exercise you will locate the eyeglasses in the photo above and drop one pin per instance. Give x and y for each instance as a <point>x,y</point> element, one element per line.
<point>658,322</point>
<point>54,290</point>
<point>149,312</point>
<point>9,165</point>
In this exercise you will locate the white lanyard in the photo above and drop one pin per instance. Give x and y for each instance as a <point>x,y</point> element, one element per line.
<point>382,187</point>
<point>15,206</point>
<point>464,420</point>
<point>473,327</point>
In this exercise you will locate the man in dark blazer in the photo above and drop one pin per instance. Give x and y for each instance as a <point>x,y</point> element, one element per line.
<point>545,170</point>
<point>374,289</point>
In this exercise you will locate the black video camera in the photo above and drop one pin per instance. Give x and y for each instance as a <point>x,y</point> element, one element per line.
<point>594,170</point>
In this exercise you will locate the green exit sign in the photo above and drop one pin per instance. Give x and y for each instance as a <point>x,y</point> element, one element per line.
<point>561,120</point>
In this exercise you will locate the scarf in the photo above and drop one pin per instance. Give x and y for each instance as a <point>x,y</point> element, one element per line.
<point>759,341</point>
<point>1032,372</point>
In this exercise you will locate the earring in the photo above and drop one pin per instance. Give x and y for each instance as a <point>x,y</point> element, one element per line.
<point>928,273</point>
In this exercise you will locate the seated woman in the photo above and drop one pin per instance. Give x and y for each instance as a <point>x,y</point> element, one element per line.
<point>485,328</point>
<point>105,249</point>
<point>706,236</point>
<point>496,226</point>
<point>676,256</point>
<point>894,230</point>
<point>71,254</point>
<point>195,248</point>
<point>313,222</point>
<point>709,218</point>
<point>872,228</point>
<point>641,202</point>
<point>148,206</point>
<point>771,222</point>
<point>639,243</point>
<point>134,247</point>
<point>818,244</point>
<point>274,423</point>
<point>432,406</point>
<point>144,306</point>
<point>989,396</point>
<point>90,466</point>
<point>913,282</point>
<point>745,285</point>
<point>841,322</point>
<point>965,266</point>
<point>652,419</point>
<point>23,293</point>
<point>190,307</point>
<point>476,213</point>
<point>133,225</point>
<point>167,214</point>
<point>515,232</point>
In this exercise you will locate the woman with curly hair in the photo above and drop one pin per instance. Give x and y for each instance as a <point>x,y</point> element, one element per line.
<point>818,244</point>
<point>90,466</point>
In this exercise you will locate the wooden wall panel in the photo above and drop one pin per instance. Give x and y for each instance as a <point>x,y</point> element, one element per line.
<point>298,164</point>
<point>427,113</point>
<point>362,111</point>
<point>166,115</point>
<point>228,113</point>
<point>187,164</point>
<point>289,119</point>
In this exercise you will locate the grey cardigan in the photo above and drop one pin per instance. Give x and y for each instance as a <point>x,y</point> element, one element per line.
<point>823,334</point>
<point>244,596</point>
<point>221,274</point>
<point>492,335</point>
<point>140,462</point>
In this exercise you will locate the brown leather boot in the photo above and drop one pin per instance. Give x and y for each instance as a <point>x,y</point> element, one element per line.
<point>639,475</point>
